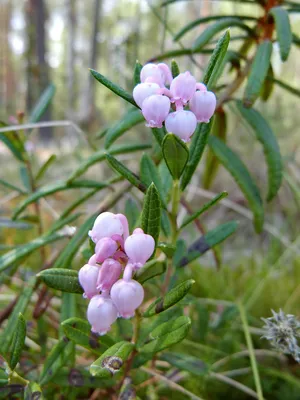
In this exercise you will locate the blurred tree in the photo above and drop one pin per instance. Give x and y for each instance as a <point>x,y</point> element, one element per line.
<point>71,24</point>
<point>37,65</point>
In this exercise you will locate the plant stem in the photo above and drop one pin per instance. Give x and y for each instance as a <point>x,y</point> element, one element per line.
<point>175,200</point>
<point>251,352</point>
<point>17,379</point>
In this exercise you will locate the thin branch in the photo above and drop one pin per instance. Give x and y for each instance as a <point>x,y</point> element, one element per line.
<point>251,352</point>
<point>235,384</point>
<point>171,384</point>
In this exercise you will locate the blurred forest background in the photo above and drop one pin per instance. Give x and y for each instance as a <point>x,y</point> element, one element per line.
<point>54,42</point>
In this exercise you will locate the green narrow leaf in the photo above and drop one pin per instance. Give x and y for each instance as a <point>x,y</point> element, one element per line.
<point>13,256</point>
<point>287,87</point>
<point>4,378</point>
<point>167,248</point>
<point>132,213</point>
<point>45,166</point>
<point>268,85</point>
<point>151,269</point>
<point>79,376</point>
<point>100,156</point>
<point>186,363</point>
<point>12,142</point>
<point>165,223</point>
<point>62,279</point>
<point>211,74</point>
<point>79,331</point>
<point>204,20</point>
<point>42,104</point>
<point>258,72</point>
<point>171,298</point>
<point>218,26</point>
<point>206,207</point>
<point>113,87</point>
<point>283,30</point>
<point>11,186</point>
<point>66,256</point>
<point>207,241</point>
<point>174,69</point>
<point>240,173</point>
<point>18,342</point>
<point>212,164</point>
<point>112,360</point>
<point>25,178</point>
<point>125,172</point>
<point>149,174</point>
<point>52,188</point>
<point>167,334</point>
<point>179,53</point>
<point>56,359</point>
<point>268,140</point>
<point>151,214</point>
<point>131,119</point>
<point>136,73</point>
<point>20,307</point>
<point>8,223</point>
<point>176,155</point>
<point>199,141</point>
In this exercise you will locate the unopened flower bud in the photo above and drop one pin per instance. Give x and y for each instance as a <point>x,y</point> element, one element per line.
<point>101,314</point>
<point>127,297</point>
<point>105,248</point>
<point>139,247</point>
<point>203,105</point>
<point>183,87</point>
<point>88,276</point>
<point>182,124</point>
<point>109,274</point>
<point>159,74</point>
<point>155,110</point>
<point>144,90</point>
<point>106,225</point>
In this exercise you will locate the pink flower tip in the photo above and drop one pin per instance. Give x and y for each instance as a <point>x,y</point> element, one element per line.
<point>101,314</point>
<point>127,297</point>
<point>203,105</point>
<point>182,124</point>
<point>155,110</point>
<point>139,247</point>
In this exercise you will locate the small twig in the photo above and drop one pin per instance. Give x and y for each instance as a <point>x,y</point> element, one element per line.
<point>171,384</point>
<point>200,228</point>
<point>235,384</point>
<point>5,313</point>
<point>251,352</point>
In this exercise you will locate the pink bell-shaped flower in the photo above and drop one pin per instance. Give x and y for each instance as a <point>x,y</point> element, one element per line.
<point>105,248</point>
<point>153,73</point>
<point>101,313</point>
<point>106,225</point>
<point>87,277</point>
<point>183,87</point>
<point>144,90</point>
<point>182,123</point>
<point>203,105</point>
<point>127,296</point>
<point>109,274</point>
<point>139,247</point>
<point>155,110</point>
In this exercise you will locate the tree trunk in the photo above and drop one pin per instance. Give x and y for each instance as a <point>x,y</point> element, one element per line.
<point>37,67</point>
<point>87,106</point>
<point>71,24</point>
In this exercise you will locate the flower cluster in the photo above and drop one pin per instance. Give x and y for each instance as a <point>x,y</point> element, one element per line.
<point>115,252</point>
<point>161,103</point>
<point>282,330</point>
